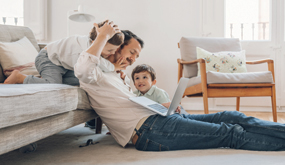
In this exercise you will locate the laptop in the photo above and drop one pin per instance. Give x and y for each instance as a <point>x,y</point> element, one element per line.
<point>160,109</point>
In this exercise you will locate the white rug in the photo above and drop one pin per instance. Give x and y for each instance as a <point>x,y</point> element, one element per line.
<point>63,148</point>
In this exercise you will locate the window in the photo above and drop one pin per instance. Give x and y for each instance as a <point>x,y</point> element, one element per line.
<point>12,12</point>
<point>248,19</point>
<point>30,13</point>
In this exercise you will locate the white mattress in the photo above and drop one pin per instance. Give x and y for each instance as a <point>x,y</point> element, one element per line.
<point>20,103</point>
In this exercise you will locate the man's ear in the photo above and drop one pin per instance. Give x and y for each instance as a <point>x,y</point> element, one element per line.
<point>153,82</point>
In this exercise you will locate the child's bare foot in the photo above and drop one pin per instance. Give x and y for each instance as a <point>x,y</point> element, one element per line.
<point>15,78</point>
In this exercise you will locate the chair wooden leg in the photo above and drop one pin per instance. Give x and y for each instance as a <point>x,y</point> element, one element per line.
<point>205,100</point>
<point>238,103</point>
<point>273,101</point>
<point>98,125</point>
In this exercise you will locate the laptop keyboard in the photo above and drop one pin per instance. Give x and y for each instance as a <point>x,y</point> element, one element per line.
<point>158,107</point>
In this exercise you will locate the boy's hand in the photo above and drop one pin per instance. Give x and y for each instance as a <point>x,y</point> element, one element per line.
<point>178,110</point>
<point>166,104</point>
<point>118,65</point>
<point>109,29</point>
<point>123,75</point>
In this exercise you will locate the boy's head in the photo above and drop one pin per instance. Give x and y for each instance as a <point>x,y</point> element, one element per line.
<point>112,44</point>
<point>143,77</point>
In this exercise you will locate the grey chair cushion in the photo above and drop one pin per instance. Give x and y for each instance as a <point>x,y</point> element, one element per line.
<point>21,103</point>
<point>10,33</point>
<point>234,78</point>
<point>188,49</point>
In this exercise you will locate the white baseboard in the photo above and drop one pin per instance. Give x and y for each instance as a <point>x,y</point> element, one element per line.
<point>199,106</point>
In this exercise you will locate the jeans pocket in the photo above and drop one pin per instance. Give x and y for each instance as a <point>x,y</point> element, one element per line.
<point>151,145</point>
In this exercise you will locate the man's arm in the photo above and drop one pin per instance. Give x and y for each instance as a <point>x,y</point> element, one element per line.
<point>86,68</point>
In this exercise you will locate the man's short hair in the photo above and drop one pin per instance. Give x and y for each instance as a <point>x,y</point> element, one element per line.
<point>144,68</point>
<point>117,39</point>
<point>128,36</point>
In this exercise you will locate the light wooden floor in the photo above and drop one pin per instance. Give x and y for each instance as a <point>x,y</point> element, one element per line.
<point>261,115</point>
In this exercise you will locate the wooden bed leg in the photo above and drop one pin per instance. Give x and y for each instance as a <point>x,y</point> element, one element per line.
<point>98,126</point>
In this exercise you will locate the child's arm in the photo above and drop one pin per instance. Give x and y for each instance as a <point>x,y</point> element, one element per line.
<point>107,66</point>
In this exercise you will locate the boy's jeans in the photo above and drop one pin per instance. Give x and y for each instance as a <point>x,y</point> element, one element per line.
<point>230,129</point>
<point>50,72</point>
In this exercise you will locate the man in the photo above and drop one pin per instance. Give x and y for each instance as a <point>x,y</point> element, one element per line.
<point>109,93</point>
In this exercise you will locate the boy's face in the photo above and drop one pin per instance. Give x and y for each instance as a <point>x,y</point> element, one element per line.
<point>109,50</point>
<point>143,81</point>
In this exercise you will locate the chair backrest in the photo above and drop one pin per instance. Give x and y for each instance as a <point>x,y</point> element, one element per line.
<point>9,33</point>
<point>188,49</point>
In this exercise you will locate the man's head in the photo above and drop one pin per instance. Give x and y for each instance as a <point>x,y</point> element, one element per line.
<point>144,77</point>
<point>112,44</point>
<point>130,49</point>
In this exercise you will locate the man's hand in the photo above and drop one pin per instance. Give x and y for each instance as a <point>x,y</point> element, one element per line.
<point>109,29</point>
<point>118,64</point>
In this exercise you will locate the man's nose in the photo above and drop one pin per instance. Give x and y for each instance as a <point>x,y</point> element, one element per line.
<point>133,58</point>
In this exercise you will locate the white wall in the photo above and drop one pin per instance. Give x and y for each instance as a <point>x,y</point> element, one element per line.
<point>160,23</point>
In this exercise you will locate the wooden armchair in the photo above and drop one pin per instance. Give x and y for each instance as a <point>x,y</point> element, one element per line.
<point>233,89</point>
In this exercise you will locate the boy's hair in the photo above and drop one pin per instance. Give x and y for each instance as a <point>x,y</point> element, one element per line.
<point>128,36</point>
<point>144,68</point>
<point>117,39</point>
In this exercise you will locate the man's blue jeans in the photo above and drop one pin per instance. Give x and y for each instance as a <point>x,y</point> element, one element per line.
<point>230,129</point>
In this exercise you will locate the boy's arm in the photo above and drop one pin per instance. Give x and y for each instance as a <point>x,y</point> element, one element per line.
<point>87,67</point>
<point>106,65</point>
<point>162,97</point>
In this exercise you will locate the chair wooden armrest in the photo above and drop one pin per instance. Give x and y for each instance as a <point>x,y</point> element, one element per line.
<point>269,62</point>
<point>42,45</point>
<point>202,68</point>
<point>180,61</point>
<point>260,61</point>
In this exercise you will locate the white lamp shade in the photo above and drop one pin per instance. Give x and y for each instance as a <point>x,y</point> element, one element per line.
<point>81,17</point>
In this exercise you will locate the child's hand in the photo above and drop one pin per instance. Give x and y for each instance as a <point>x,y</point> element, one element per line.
<point>109,29</point>
<point>166,104</point>
<point>119,64</point>
<point>178,110</point>
<point>123,75</point>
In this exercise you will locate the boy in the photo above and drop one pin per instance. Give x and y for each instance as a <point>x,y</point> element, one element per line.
<point>55,62</point>
<point>144,78</point>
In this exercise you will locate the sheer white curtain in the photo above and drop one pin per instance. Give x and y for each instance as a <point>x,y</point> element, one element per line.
<point>35,17</point>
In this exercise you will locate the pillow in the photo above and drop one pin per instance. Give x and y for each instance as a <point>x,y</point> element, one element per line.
<point>19,55</point>
<point>224,62</point>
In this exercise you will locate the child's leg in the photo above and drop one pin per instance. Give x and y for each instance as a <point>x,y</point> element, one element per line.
<point>50,73</point>
<point>70,79</point>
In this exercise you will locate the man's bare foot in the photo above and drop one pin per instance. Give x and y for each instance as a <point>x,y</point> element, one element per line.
<point>15,78</point>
